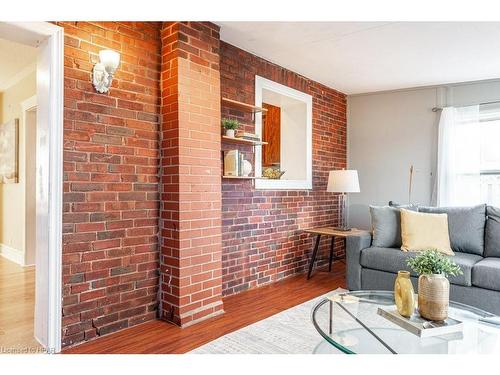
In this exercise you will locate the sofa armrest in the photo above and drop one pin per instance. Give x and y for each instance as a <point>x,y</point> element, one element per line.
<point>354,245</point>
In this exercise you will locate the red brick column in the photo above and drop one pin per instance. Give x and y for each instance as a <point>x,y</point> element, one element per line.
<point>190,224</point>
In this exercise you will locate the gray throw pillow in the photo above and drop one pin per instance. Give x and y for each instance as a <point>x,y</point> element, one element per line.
<point>386,226</point>
<point>492,235</point>
<point>466,227</point>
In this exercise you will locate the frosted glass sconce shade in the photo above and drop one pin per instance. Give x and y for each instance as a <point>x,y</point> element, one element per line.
<point>104,70</point>
<point>110,59</point>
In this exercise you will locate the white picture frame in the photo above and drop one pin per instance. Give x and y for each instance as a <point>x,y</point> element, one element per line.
<point>261,84</point>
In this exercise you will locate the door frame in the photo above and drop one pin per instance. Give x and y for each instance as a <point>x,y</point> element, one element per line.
<point>27,106</point>
<point>49,39</point>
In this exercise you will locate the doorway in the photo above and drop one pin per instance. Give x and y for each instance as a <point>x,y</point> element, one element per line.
<point>39,147</point>
<point>17,272</point>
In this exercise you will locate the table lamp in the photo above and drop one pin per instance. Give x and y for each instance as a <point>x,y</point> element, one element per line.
<point>343,181</point>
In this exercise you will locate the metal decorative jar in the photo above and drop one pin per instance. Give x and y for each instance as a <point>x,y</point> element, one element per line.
<point>404,294</point>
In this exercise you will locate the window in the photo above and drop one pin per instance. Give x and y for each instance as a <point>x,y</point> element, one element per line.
<point>286,126</point>
<point>490,155</point>
<point>469,156</point>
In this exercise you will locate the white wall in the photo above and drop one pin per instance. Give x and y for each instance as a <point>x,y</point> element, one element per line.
<point>389,131</point>
<point>293,145</point>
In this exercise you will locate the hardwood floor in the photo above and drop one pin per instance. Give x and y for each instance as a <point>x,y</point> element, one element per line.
<point>240,310</point>
<point>17,306</point>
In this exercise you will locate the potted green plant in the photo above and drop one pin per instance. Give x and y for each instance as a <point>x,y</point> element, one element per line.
<point>230,125</point>
<point>433,285</point>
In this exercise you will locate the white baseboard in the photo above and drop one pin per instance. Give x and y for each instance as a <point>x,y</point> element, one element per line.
<point>14,255</point>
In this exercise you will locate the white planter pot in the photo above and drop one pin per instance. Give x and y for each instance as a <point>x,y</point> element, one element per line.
<point>230,133</point>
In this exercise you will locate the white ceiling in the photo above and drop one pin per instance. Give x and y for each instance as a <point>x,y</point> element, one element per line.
<point>16,62</point>
<point>360,57</point>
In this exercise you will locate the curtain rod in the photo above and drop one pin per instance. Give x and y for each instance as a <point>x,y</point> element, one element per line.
<point>435,109</point>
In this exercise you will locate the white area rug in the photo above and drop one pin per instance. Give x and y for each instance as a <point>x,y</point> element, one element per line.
<point>288,332</point>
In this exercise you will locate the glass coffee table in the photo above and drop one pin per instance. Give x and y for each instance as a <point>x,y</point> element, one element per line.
<point>350,323</point>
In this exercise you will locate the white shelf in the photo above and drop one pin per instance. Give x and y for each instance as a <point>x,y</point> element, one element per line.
<point>243,106</point>
<point>244,177</point>
<point>227,139</point>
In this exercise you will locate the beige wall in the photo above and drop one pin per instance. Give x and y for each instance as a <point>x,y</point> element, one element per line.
<point>387,133</point>
<point>12,196</point>
<point>1,190</point>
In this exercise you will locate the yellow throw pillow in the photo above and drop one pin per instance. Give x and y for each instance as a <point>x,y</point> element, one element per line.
<point>422,231</point>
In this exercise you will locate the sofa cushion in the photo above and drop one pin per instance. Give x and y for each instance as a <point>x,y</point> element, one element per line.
<point>386,226</point>
<point>466,227</point>
<point>386,259</point>
<point>394,260</point>
<point>492,232</point>
<point>486,274</point>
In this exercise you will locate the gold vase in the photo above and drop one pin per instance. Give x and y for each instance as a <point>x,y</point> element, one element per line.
<point>433,297</point>
<point>404,294</point>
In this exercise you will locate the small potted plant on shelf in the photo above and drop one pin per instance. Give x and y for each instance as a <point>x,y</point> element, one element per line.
<point>230,125</point>
<point>433,285</point>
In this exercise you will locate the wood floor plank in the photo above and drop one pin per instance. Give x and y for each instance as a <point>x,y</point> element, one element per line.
<point>241,310</point>
<point>17,306</point>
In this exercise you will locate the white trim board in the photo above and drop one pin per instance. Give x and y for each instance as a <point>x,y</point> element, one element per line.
<point>261,84</point>
<point>28,104</point>
<point>49,39</point>
<point>14,255</point>
<point>28,107</point>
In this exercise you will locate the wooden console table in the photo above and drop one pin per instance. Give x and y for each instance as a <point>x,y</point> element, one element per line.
<point>333,233</point>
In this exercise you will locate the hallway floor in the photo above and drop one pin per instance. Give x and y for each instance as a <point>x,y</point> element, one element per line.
<point>241,310</point>
<point>17,306</point>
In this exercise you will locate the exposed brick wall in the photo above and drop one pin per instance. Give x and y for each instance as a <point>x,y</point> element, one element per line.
<point>262,239</point>
<point>191,182</point>
<point>111,164</point>
<point>112,167</point>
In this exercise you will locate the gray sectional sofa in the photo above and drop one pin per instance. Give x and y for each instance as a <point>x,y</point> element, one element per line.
<point>475,239</point>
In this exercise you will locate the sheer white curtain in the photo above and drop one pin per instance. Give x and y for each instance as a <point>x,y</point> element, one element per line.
<point>459,157</point>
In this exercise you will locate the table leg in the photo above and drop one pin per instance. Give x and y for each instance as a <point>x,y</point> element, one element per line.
<point>332,246</point>
<point>313,256</point>
<point>331,318</point>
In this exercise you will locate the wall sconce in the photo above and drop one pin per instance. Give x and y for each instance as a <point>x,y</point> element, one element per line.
<point>104,70</point>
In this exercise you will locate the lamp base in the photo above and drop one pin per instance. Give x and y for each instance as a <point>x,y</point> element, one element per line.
<point>342,229</point>
<point>342,214</point>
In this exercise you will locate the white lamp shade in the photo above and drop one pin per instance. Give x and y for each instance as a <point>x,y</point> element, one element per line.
<point>110,59</point>
<point>343,181</point>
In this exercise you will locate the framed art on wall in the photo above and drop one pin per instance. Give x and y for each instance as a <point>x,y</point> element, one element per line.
<point>9,152</point>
